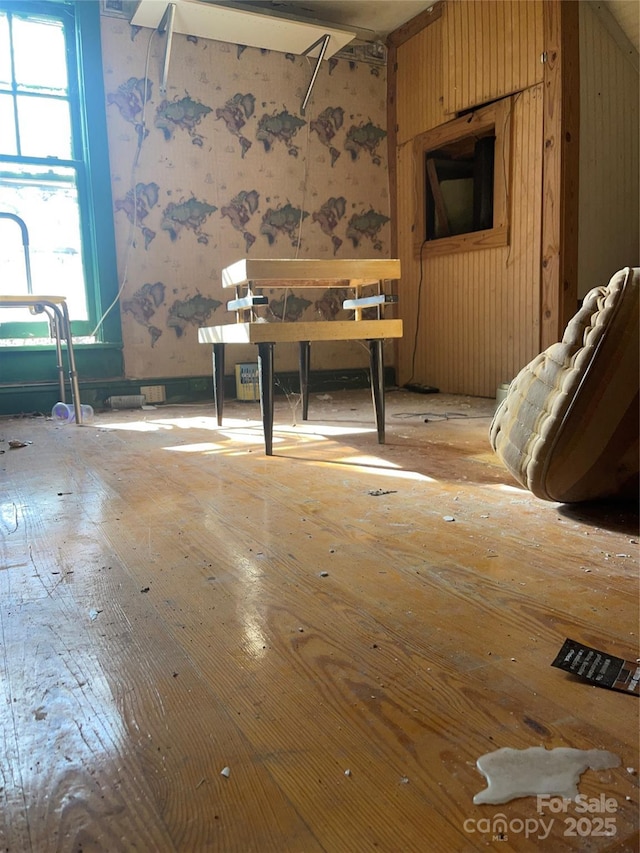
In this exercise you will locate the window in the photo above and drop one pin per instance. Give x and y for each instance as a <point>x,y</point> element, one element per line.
<point>54,164</point>
<point>464,175</point>
<point>459,188</point>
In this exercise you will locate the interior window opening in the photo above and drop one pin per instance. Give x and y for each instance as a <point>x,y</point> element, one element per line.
<point>459,186</point>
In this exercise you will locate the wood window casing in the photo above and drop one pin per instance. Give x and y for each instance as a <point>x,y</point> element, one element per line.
<point>495,117</point>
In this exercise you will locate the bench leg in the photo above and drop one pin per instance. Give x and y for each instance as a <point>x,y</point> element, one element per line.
<point>57,334</point>
<point>64,326</point>
<point>218,380</point>
<point>377,384</point>
<point>265,362</point>
<point>305,357</point>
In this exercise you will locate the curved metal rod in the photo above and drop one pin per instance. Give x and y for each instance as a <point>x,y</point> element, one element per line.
<point>25,242</point>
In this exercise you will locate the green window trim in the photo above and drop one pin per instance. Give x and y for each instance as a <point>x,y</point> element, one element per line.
<point>101,239</point>
<point>94,182</point>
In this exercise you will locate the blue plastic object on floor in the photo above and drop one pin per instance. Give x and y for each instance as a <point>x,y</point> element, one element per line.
<point>65,414</point>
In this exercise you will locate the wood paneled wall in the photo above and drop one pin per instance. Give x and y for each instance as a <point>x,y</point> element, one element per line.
<point>561,131</point>
<point>609,187</point>
<point>472,319</point>
<point>492,49</point>
<point>419,83</point>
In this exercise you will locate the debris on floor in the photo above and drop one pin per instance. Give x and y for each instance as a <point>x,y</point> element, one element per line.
<point>598,667</point>
<point>126,401</point>
<point>536,772</point>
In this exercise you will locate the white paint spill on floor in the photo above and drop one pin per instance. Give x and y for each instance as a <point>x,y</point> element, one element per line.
<point>513,773</point>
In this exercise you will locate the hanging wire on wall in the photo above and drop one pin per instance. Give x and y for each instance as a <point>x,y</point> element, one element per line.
<point>142,132</point>
<point>305,178</point>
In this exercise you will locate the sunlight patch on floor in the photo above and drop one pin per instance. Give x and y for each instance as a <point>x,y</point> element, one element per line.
<point>370,461</point>
<point>504,487</point>
<point>381,470</point>
<point>202,447</point>
<point>240,429</point>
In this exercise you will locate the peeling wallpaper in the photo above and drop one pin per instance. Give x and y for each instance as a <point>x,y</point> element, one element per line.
<point>224,166</point>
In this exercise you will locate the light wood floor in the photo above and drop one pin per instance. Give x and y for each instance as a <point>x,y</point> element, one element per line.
<point>174,603</point>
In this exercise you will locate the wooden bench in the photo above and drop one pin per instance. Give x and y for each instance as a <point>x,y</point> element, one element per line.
<point>248,275</point>
<point>55,309</point>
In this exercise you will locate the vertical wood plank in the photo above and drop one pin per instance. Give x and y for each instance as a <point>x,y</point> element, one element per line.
<point>560,169</point>
<point>392,141</point>
<point>418,107</point>
<point>501,11</point>
<point>493,49</point>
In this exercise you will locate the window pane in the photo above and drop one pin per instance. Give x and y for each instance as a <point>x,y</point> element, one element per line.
<point>45,127</point>
<point>7,126</point>
<point>39,55</point>
<point>5,56</point>
<point>47,200</point>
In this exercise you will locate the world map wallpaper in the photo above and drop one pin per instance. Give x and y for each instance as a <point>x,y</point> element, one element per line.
<point>223,165</point>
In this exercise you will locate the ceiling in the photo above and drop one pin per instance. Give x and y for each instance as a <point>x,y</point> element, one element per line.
<point>375,19</point>
<point>372,20</point>
<point>627,14</point>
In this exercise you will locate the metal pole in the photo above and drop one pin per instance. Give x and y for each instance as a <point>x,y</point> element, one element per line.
<point>166,24</point>
<point>325,43</point>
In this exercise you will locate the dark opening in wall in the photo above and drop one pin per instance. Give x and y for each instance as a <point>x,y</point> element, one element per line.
<point>459,181</point>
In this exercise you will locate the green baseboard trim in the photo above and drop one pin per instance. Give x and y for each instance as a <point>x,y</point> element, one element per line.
<point>37,364</point>
<point>28,397</point>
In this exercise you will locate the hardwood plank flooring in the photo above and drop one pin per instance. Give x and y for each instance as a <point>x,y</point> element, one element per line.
<point>174,602</point>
